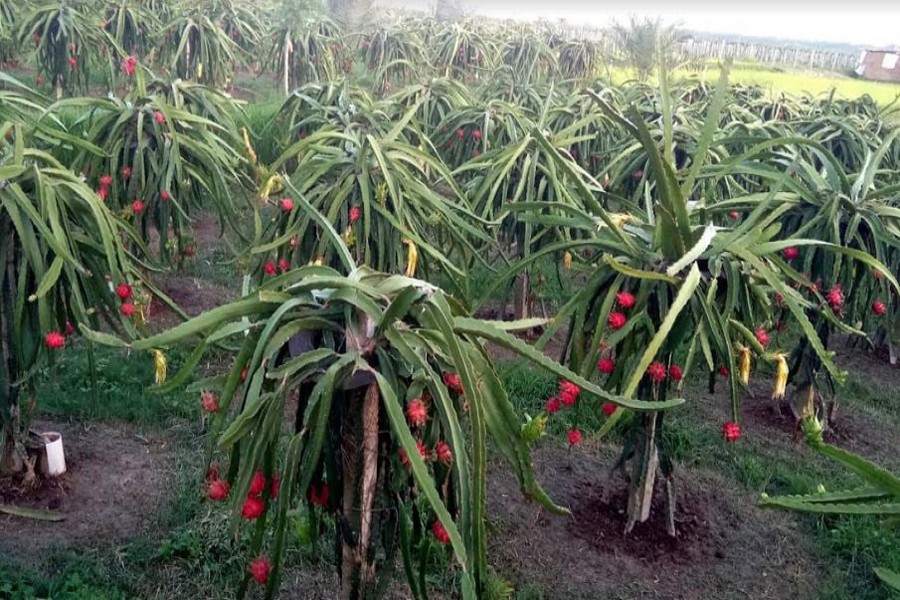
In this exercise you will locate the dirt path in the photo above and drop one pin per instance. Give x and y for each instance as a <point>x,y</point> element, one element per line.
<point>194,293</point>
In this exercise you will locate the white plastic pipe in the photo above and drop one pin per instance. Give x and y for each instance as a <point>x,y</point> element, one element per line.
<point>56,457</point>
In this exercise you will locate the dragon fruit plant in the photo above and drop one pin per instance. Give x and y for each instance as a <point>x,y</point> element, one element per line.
<point>395,399</point>
<point>63,262</point>
<point>666,290</point>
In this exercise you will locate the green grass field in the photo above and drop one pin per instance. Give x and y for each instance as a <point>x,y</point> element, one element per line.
<point>789,81</point>
<point>813,82</point>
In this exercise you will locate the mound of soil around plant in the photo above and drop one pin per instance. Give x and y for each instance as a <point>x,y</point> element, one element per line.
<point>727,547</point>
<point>115,482</point>
<point>599,518</point>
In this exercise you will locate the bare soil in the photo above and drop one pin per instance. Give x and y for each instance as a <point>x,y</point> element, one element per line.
<point>192,294</point>
<point>867,436</point>
<point>862,360</point>
<point>116,480</point>
<point>727,547</point>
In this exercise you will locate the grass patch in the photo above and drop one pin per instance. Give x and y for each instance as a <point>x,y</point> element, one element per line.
<point>529,388</point>
<point>195,554</point>
<point>550,285</point>
<point>81,578</point>
<point>872,396</point>
<point>258,88</point>
<point>115,389</point>
<point>259,118</point>
<point>191,549</point>
<point>848,547</point>
<point>215,263</point>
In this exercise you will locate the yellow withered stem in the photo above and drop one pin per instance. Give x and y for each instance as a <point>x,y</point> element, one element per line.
<point>744,364</point>
<point>200,71</point>
<point>809,409</point>
<point>567,260</point>
<point>159,365</point>
<point>412,258</point>
<point>781,376</point>
<point>250,152</point>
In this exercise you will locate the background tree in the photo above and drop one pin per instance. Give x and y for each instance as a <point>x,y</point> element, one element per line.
<point>638,41</point>
<point>349,14</point>
<point>448,10</point>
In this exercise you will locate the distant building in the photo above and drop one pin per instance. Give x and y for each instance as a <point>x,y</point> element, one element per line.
<point>879,65</point>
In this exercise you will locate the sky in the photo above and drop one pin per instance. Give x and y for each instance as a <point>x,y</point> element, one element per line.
<point>871,23</point>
